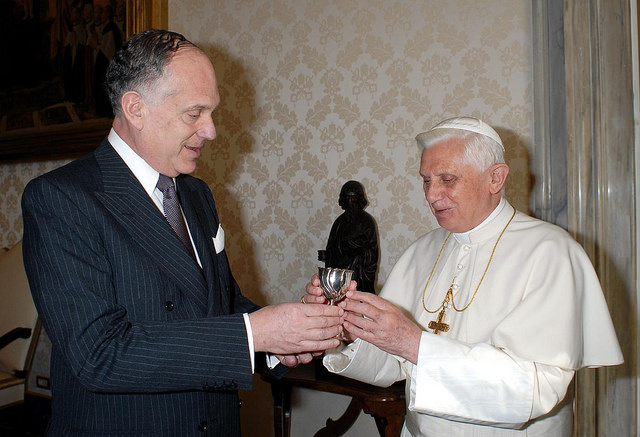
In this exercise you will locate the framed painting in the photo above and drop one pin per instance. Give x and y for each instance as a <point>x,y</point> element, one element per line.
<point>52,103</point>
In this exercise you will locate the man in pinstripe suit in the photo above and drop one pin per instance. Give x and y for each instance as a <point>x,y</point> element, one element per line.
<point>147,338</point>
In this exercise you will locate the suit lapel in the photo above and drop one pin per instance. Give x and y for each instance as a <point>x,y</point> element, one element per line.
<point>203,228</point>
<point>130,205</point>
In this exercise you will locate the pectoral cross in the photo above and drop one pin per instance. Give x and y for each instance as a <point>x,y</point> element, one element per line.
<point>439,325</point>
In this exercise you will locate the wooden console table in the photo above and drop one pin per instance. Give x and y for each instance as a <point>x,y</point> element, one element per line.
<point>386,405</point>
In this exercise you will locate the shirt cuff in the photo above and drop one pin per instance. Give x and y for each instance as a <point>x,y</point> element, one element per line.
<point>247,324</point>
<point>272,360</point>
<point>338,360</point>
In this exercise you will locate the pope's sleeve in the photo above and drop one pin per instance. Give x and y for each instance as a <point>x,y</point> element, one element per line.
<point>480,383</point>
<point>364,362</point>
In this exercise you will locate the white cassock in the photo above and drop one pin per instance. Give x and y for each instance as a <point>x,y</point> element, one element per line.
<point>504,366</point>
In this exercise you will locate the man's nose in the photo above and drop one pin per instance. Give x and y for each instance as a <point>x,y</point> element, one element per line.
<point>431,192</point>
<point>208,129</point>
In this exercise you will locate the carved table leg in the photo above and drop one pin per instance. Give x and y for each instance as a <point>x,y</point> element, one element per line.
<point>389,426</point>
<point>340,426</point>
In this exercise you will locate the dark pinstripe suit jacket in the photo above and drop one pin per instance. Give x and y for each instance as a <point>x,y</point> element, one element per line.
<point>144,342</point>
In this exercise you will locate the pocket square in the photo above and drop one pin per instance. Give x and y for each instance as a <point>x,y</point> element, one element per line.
<point>218,240</point>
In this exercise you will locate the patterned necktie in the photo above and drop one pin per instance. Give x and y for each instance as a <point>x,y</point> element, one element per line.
<point>172,211</point>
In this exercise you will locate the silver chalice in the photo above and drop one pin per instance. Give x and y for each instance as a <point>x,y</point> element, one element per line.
<point>334,283</point>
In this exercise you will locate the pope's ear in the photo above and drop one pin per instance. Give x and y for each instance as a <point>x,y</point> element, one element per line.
<point>133,108</point>
<point>499,173</point>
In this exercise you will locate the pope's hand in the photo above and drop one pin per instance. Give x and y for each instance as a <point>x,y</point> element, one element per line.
<point>314,292</point>
<point>383,324</point>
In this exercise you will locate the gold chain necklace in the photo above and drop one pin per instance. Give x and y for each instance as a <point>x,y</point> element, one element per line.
<point>439,325</point>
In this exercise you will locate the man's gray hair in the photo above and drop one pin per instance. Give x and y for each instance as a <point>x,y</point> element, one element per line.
<point>140,62</point>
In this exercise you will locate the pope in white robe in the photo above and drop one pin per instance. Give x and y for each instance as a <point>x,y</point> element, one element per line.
<point>495,355</point>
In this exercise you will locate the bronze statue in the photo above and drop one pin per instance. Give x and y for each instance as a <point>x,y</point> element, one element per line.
<point>353,241</point>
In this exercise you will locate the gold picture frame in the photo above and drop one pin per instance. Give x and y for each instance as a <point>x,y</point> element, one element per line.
<point>72,136</point>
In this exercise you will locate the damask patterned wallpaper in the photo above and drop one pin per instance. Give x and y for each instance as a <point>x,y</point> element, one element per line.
<point>13,179</point>
<point>318,93</point>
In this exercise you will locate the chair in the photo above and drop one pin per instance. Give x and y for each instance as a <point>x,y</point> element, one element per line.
<point>19,327</point>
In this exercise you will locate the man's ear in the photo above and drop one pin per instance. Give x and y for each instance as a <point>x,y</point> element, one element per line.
<point>498,173</point>
<point>133,108</point>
